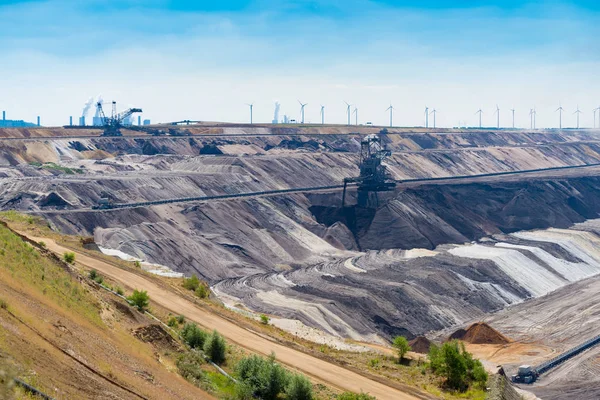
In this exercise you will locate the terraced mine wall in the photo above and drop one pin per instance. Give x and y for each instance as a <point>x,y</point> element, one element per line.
<point>405,267</point>
<point>274,255</point>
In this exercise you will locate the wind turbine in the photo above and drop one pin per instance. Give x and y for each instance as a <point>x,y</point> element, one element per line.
<point>513,117</point>
<point>434,112</point>
<point>480,111</point>
<point>498,120</point>
<point>578,112</point>
<point>426,117</point>
<point>302,109</point>
<point>531,118</point>
<point>322,114</point>
<point>348,111</point>
<point>534,116</point>
<point>356,115</point>
<point>391,110</point>
<point>560,111</point>
<point>251,108</point>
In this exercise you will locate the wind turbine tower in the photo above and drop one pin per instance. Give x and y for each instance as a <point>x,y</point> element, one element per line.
<point>426,117</point>
<point>531,118</point>
<point>322,115</point>
<point>391,110</point>
<point>356,115</point>
<point>497,112</point>
<point>434,112</point>
<point>534,116</point>
<point>513,117</point>
<point>348,112</point>
<point>578,112</point>
<point>302,109</point>
<point>251,110</point>
<point>480,111</point>
<point>560,111</point>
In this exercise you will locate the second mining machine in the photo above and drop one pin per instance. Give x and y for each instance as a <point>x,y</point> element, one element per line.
<point>112,126</point>
<point>373,173</point>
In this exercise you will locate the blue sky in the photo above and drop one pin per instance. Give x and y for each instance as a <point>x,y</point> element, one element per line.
<point>206,60</point>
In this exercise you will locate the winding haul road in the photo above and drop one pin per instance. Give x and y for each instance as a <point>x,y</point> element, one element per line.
<point>318,369</point>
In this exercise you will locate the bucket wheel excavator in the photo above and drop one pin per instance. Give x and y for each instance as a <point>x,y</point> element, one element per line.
<point>112,126</point>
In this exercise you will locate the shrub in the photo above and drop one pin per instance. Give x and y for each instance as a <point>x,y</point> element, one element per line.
<point>99,279</point>
<point>401,345</point>
<point>180,319</point>
<point>454,363</point>
<point>3,304</point>
<point>191,283</point>
<point>193,336</point>
<point>119,290</point>
<point>137,264</point>
<point>215,347</point>
<point>42,245</point>
<point>189,366</point>
<point>374,362</point>
<point>172,322</point>
<point>93,274</point>
<point>202,291</point>
<point>69,257</point>
<point>298,388</point>
<point>355,396</point>
<point>265,378</point>
<point>140,299</point>
<point>264,319</point>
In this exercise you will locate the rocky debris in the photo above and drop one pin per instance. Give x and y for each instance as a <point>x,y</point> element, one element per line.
<point>211,148</point>
<point>480,333</point>
<point>53,199</point>
<point>157,336</point>
<point>420,344</point>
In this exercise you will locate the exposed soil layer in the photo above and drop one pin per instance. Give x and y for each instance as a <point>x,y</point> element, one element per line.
<point>420,344</point>
<point>480,333</point>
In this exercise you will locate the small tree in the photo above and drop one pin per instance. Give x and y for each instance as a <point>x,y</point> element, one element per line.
<point>299,388</point>
<point>215,348</point>
<point>180,319</point>
<point>202,291</point>
<point>457,365</point>
<point>93,274</point>
<point>264,319</point>
<point>265,378</point>
<point>193,336</point>
<point>137,264</point>
<point>140,299</point>
<point>191,283</point>
<point>69,257</point>
<point>402,347</point>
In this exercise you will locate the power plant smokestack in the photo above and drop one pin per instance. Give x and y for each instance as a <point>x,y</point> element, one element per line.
<point>71,120</point>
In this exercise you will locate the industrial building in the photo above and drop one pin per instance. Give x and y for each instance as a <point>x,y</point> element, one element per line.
<point>9,123</point>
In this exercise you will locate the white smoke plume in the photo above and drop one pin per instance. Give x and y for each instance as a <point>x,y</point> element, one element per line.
<point>87,106</point>
<point>276,114</point>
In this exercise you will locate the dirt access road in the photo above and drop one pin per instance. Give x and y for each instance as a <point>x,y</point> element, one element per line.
<point>324,371</point>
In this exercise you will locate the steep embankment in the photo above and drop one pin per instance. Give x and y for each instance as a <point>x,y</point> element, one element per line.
<point>64,337</point>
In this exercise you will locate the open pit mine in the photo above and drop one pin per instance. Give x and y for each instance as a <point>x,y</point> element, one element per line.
<point>463,226</point>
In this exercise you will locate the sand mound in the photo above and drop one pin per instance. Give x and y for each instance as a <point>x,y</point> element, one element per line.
<point>480,333</point>
<point>420,344</point>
